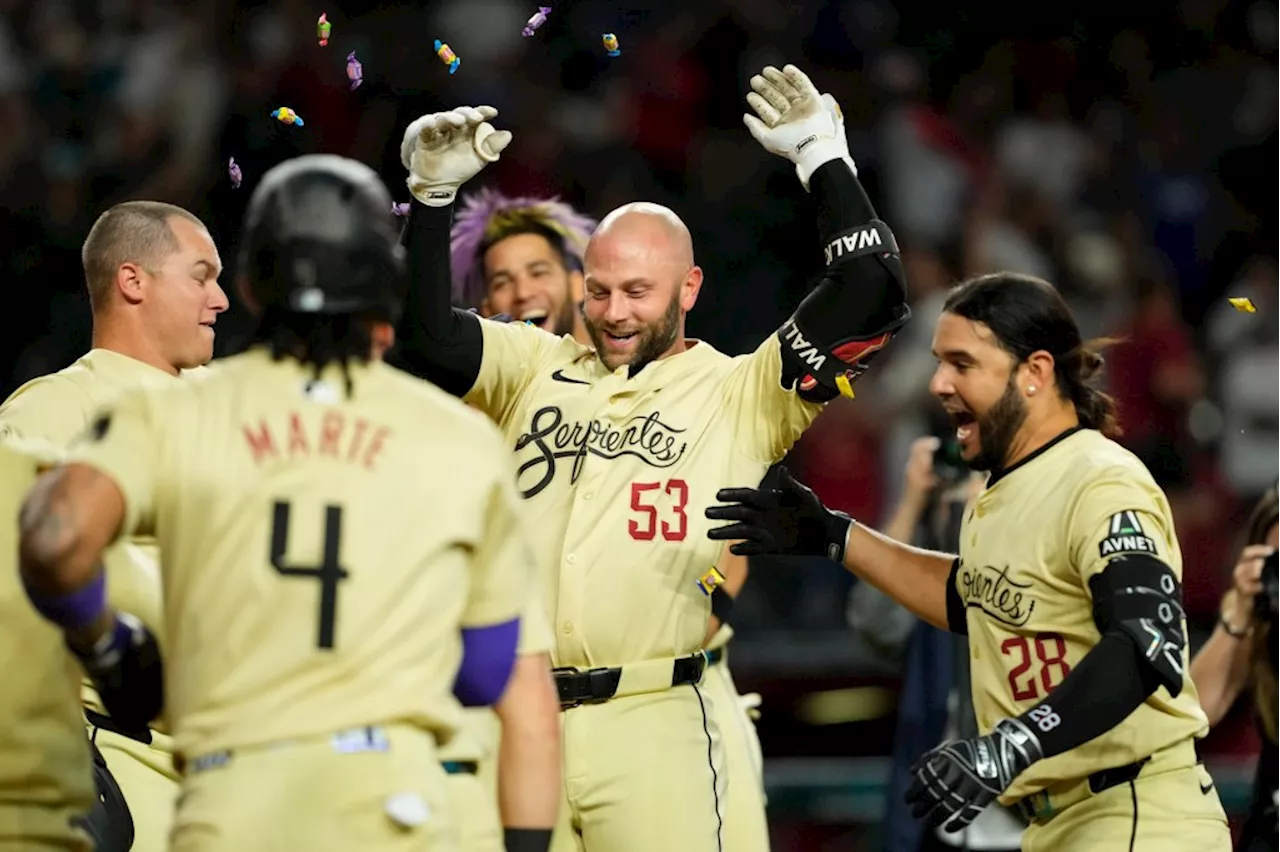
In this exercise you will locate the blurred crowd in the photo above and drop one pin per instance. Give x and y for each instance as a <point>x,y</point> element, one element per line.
<point>1129,158</point>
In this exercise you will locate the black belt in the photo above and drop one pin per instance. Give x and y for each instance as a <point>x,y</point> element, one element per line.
<point>595,686</point>
<point>460,767</point>
<point>106,723</point>
<point>1103,779</point>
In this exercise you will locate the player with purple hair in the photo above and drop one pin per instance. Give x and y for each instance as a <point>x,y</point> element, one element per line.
<point>521,257</point>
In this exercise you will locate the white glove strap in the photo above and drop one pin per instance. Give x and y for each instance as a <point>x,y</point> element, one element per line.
<point>820,153</point>
<point>443,194</point>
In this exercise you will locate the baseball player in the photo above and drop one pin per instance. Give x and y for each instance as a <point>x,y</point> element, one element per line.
<point>620,445</point>
<point>1068,584</point>
<point>522,258</point>
<point>46,785</point>
<point>315,622</point>
<point>152,274</point>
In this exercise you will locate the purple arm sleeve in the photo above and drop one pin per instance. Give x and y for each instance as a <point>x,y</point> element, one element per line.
<point>488,655</point>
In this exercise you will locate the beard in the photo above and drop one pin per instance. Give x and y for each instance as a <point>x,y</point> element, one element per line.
<point>654,338</point>
<point>562,323</point>
<point>997,427</point>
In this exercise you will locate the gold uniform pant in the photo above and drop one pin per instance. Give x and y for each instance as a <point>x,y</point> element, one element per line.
<point>148,781</point>
<point>642,773</point>
<point>319,796</point>
<point>746,829</point>
<point>32,828</point>
<point>475,810</point>
<point>1176,810</point>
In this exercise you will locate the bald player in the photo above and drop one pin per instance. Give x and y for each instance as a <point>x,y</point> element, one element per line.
<point>622,444</point>
<point>46,784</point>
<point>522,258</point>
<point>320,601</point>
<point>1068,584</point>
<point>152,274</point>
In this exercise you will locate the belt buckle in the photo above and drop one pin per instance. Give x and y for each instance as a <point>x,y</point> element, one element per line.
<point>597,686</point>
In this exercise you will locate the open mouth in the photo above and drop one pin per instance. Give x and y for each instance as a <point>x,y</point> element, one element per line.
<point>619,340</point>
<point>537,316</point>
<point>964,424</point>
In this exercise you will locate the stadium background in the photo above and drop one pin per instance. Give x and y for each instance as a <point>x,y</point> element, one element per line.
<point>1124,151</point>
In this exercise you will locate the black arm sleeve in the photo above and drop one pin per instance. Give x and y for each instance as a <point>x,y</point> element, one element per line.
<point>1110,682</point>
<point>871,288</point>
<point>435,341</point>
<point>956,621</point>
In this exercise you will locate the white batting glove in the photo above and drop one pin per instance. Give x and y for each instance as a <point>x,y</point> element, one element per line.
<point>444,150</point>
<point>795,121</point>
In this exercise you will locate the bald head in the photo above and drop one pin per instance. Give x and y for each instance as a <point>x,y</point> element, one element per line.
<point>640,280</point>
<point>642,226</point>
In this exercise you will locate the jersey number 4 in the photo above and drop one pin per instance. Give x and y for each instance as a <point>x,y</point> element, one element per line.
<point>1050,651</point>
<point>673,529</point>
<point>329,572</point>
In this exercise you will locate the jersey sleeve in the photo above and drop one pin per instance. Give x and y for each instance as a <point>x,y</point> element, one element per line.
<point>535,627</point>
<point>769,417</point>
<point>502,571</point>
<point>122,442</point>
<point>511,354</point>
<point>51,409</point>
<point>1120,513</point>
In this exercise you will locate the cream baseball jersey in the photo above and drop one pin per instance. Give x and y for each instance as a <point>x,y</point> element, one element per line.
<point>45,772</point>
<point>59,407</point>
<point>478,732</point>
<point>616,471</point>
<point>1027,553</point>
<point>321,552</point>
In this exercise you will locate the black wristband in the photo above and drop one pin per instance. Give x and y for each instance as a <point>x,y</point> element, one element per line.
<point>722,604</point>
<point>526,839</point>
<point>838,525</point>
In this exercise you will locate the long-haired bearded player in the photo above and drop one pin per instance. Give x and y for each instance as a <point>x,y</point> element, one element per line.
<point>522,258</point>
<point>622,444</point>
<point>1067,583</point>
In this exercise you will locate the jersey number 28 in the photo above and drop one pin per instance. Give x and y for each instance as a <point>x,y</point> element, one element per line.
<point>329,572</point>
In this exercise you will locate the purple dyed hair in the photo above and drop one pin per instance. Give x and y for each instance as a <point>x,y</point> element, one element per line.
<point>488,216</point>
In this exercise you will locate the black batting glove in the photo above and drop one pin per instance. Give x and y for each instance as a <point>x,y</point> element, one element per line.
<point>954,782</point>
<point>788,519</point>
<point>126,670</point>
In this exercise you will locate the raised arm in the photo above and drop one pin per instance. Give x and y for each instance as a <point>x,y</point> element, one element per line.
<point>790,519</point>
<point>859,304</point>
<point>442,151</point>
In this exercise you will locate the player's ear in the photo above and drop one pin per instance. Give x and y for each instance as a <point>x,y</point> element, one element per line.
<point>690,288</point>
<point>131,282</point>
<point>1037,372</point>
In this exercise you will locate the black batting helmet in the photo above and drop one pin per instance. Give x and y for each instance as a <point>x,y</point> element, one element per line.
<point>317,240</point>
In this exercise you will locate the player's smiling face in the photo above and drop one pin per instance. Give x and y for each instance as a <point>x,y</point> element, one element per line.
<point>976,381</point>
<point>527,279</point>
<point>184,299</point>
<point>640,280</point>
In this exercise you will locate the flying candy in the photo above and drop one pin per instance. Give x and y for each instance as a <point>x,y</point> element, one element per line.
<point>233,171</point>
<point>355,71</point>
<point>539,18</point>
<point>323,28</point>
<point>1243,305</point>
<point>399,209</point>
<point>447,56</point>
<point>286,116</point>
<point>611,44</point>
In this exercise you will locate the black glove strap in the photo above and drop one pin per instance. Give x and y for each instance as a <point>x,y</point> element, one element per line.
<point>837,534</point>
<point>526,839</point>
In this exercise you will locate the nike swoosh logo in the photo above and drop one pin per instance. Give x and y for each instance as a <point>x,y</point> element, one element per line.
<point>1205,790</point>
<point>559,376</point>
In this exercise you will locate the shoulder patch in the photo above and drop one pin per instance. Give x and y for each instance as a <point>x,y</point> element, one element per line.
<point>1125,535</point>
